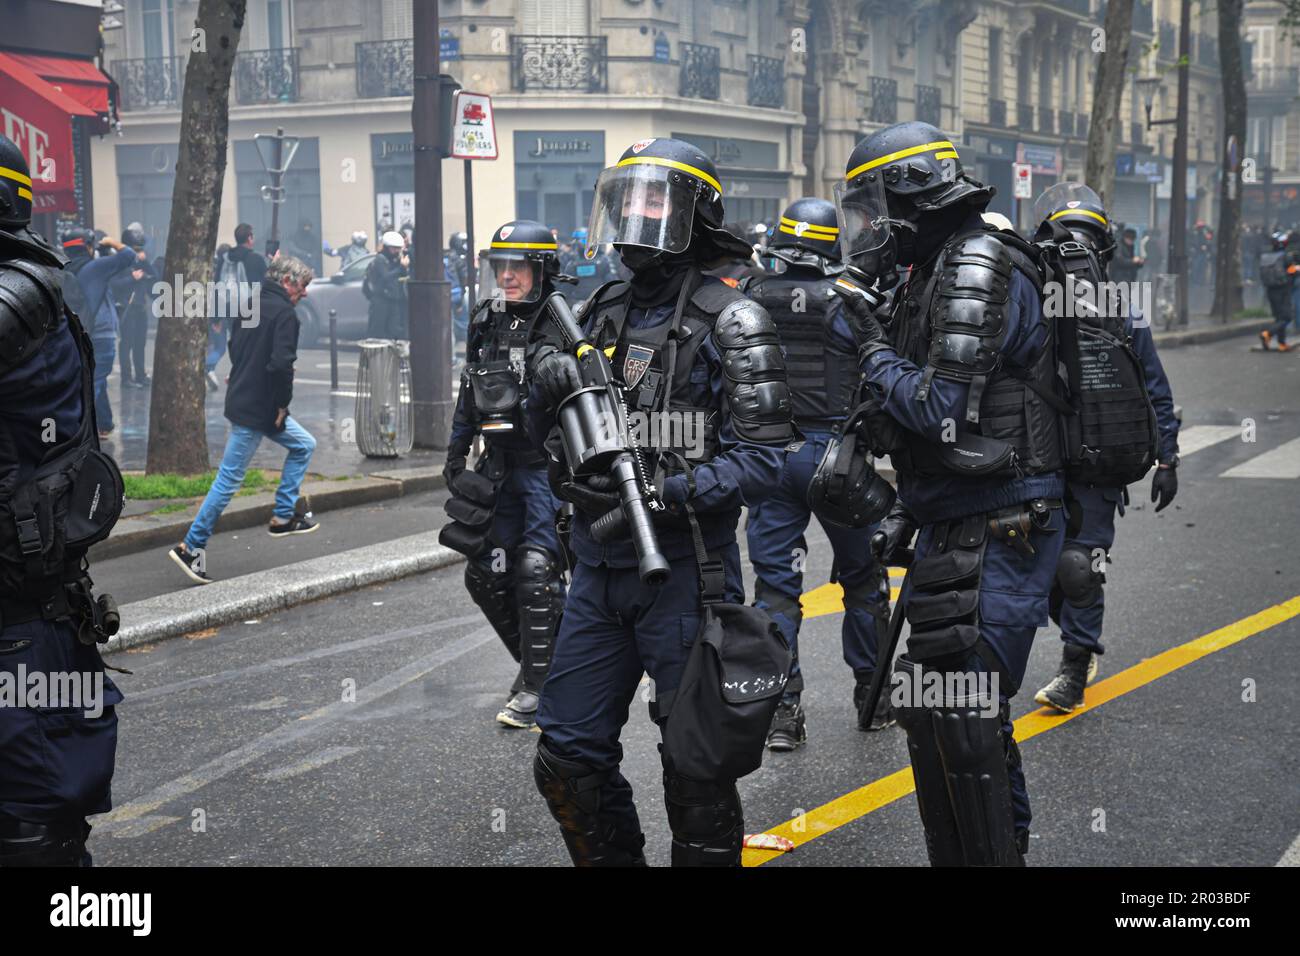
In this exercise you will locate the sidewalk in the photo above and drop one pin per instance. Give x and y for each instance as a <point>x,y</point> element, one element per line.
<point>1203,329</point>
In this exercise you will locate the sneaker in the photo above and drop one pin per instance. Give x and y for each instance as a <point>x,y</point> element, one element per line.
<point>1265,336</point>
<point>1064,693</point>
<point>298,524</point>
<point>788,729</point>
<point>520,711</point>
<point>105,435</point>
<point>1283,347</point>
<point>213,382</point>
<point>190,563</point>
<point>144,381</point>
<point>882,717</point>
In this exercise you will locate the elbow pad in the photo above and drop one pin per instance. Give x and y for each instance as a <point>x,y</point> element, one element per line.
<point>754,374</point>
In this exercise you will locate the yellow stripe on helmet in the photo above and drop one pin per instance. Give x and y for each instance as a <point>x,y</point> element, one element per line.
<point>903,154</point>
<point>25,193</point>
<point>1079,212</point>
<point>660,161</point>
<point>946,154</point>
<point>16,176</point>
<point>820,232</point>
<point>523,245</point>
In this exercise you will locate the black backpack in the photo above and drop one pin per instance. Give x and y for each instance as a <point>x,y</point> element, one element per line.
<point>1272,270</point>
<point>1109,423</point>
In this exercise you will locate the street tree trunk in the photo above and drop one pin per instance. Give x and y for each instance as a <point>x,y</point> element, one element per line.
<point>1104,129</point>
<point>1227,290</point>
<point>178,439</point>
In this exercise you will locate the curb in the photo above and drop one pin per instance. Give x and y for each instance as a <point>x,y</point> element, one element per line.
<point>144,532</point>
<point>278,589</point>
<point>1168,340</point>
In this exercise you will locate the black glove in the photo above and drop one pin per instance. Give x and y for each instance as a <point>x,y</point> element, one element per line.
<point>594,494</point>
<point>1164,485</point>
<point>558,376</point>
<point>894,532</point>
<point>456,458</point>
<point>860,307</point>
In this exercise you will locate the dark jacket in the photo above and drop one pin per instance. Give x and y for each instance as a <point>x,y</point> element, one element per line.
<point>254,264</point>
<point>387,295</point>
<point>133,297</point>
<point>261,362</point>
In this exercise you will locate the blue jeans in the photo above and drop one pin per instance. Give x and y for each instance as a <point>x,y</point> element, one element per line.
<point>216,346</point>
<point>240,447</point>
<point>105,351</point>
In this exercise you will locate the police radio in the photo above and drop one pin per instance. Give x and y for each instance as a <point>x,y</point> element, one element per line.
<point>594,432</point>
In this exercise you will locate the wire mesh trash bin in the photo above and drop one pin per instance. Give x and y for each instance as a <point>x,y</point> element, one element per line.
<point>384,414</point>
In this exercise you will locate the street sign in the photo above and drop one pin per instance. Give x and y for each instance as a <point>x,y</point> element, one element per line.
<point>473,131</point>
<point>1022,177</point>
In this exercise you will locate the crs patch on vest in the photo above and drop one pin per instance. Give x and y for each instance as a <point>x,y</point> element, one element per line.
<point>635,363</point>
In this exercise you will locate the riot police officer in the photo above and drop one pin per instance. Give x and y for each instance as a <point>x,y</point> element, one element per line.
<point>56,755</point>
<point>960,366</point>
<point>822,366</point>
<point>1074,232</point>
<point>695,353</point>
<point>516,579</point>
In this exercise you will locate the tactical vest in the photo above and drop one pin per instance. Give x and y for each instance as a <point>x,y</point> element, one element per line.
<point>823,375</point>
<point>496,370</point>
<point>653,367</point>
<point>1008,404</point>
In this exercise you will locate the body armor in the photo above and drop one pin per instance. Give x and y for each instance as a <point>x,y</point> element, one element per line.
<point>951,320</point>
<point>496,370</point>
<point>823,375</point>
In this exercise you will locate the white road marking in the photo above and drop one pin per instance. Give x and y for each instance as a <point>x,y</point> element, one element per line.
<point>142,826</point>
<point>1292,855</point>
<point>1196,437</point>
<point>319,759</point>
<point>1280,462</point>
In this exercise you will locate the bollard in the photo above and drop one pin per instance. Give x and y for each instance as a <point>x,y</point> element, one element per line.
<point>334,351</point>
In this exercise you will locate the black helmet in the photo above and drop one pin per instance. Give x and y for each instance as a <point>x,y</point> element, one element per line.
<point>661,195</point>
<point>1279,239</point>
<point>845,489</point>
<point>522,252</point>
<point>15,186</point>
<point>78,241</point>
<point>808,234</point>
<point>1076,208</point>
<point>133,236</point>
<point>919,167</point>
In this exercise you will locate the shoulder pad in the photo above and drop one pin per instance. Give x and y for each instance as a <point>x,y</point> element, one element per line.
<point>30,306</point>
<point>604,293</point>
<point>1026,256</point>
<point>713,297</point>
<point>743,323</point>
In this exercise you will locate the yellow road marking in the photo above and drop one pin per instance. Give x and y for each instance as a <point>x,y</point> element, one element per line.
<point>858,803</point>
<point>829,598</point>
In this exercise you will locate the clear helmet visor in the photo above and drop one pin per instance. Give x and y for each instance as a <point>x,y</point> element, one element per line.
<point>641,204</point>
<point>512,278</point>
<point>1060,196</point>
<point>863,214</point>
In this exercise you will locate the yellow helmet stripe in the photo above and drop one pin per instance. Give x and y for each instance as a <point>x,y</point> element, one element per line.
<point>15,175</point>
<point>946,154</point>
<point>523,245</point>
<point>806,235</point>
<point>903,154</point>
<point>810,228</point>
<point>660,161</point>
<point>25,193</point>
<point>1079,212</point>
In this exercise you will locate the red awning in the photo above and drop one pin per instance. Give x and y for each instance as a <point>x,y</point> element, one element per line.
<point>38,117</point>
<point>79,79</point>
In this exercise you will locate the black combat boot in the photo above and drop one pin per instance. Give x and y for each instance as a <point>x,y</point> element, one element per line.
<point>882,717</point>
<point>1065,692</point>
<point>788,730</point>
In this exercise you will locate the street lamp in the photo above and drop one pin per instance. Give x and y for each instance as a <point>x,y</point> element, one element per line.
<point>1147,86</point>
<point>276,153</point>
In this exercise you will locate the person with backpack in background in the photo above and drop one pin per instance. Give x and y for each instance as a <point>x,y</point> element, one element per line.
<point>354,250</point>
<point>93,302</point>
<point>1138,421</point>
<point>241,269</point>
<point>1277,275</point>
<point>384,288</point>
<point>132,293</point>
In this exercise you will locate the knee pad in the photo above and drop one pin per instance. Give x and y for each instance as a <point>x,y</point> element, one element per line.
<point>494,595</point>
<point>23,843</point>
<point>572,791</point>
<point>1079,583</point>
<point>706,821</point>
<point>539,592</point>
<point>777,602</point>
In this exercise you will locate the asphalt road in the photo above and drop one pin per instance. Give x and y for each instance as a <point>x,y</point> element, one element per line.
<point>247,746</point>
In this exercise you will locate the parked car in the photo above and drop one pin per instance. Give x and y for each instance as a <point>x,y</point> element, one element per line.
<point>342,293</point>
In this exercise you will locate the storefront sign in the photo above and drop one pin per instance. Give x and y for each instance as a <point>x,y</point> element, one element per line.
<point>1041,159</point>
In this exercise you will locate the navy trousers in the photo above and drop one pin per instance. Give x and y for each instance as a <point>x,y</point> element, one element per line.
<point>1097,506</point>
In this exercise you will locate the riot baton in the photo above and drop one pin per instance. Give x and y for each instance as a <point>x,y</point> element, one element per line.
<point>885,654</point>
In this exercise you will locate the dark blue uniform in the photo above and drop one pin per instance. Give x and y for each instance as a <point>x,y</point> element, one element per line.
<point>56,763</point>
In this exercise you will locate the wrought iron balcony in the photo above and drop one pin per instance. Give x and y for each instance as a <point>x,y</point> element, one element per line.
<point>1168,41</point>
<point>267,76</point>
<point>386,68</point>
<point>1025,117</point>
<point>1046,120</point>
<point>884,100</point>
<point>576,64</point>
<point>998,113</point>
<point>149,84</point>
<point>766,82</point>
<point>701,71</point>
<point>1065,122</point>
<point>927,104</point>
